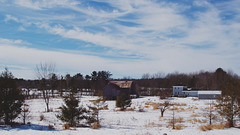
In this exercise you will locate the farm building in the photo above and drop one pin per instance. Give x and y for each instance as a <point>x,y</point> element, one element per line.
<point>183,91</point>
<point>209,94</point>
<point>115,88</point>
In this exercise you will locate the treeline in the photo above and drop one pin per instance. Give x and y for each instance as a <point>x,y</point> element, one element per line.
<point>200,80</point>
<point>150,84</point>
<point>96,81</point>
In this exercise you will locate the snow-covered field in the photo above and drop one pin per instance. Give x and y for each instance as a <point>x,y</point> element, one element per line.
<point>189,112</point>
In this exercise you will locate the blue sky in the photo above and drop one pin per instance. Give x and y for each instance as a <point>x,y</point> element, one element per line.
<point>127,37</point>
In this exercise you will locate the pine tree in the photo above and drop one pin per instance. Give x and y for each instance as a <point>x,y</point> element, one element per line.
<point>72,113</point>
<point>228,107</point>
<point>123,101</point>
<point>229,104</point>
<point>97,105</point>
<point>11,98</point>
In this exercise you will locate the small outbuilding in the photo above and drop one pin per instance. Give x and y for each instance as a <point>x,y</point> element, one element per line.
<point>115,88</point>
<point>209,94</point>
<point>183,91</point>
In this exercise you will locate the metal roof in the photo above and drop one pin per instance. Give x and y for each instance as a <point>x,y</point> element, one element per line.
<point>210,92</point>
<point>122,84</point>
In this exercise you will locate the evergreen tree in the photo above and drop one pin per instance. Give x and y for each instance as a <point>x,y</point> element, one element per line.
<point>228,107</point>
<point>11,98</point>
<point>229,104</point>
<point>98,104</point>
<point>71,112</point>
<point>123,101</point>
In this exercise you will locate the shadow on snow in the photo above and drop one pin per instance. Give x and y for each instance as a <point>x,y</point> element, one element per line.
<point>27,127</point>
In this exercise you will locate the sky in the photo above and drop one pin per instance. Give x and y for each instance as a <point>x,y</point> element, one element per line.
<point>126,37</point>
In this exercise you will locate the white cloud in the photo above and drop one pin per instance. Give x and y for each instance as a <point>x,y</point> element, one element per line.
<point>42,4</point>
<point>163,39</point>
<point>167,60</point>
<point>28,4</point>
<point>10,18</point>
<point>8,41</point>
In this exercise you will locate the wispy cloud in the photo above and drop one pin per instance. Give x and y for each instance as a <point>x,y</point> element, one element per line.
<point>13,42</point>
<point>149,36</point>
<point>9,18</point>
<point>42,4</point>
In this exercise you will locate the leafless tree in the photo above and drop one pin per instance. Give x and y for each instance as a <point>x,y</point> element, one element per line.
<point>172,121</point>
<point>44,72</point>
<point>25,112</point>
<point>173,118</point>
<point>164,106</point>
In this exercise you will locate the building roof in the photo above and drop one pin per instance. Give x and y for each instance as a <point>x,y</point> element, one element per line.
<point>122,84</point>
<point>210,92</point>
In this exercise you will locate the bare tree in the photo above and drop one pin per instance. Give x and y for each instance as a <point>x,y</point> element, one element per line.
<point>25,112</point>
<point>164,106</point>
<point>44,72</point>
<point>172,121</point>
<point>211,116</point>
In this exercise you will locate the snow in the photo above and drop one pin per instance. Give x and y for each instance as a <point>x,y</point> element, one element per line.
<point>113,121</point>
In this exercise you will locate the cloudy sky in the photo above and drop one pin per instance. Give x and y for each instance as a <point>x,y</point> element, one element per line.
<point>125,37</point>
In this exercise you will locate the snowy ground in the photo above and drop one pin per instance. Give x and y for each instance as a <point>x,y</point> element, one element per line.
<point>191,112</point>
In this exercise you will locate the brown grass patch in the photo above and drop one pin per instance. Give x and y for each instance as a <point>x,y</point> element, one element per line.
<point>59,107</point>
<point>155,105</point>
<point>179,120</point>
<point>96,125</point>
<point>146,106</point>
<point>179,127</point>
<point>181,109</point>
<point>218,126</point>
<point>152,124</point>
<point>194,115</point>
<point>180,104</point>
<point>178,109</point>
<point>195,99</point>
<point>205,127</point>
<point>194,121</point>
<point>130,109</point>
<point>210,127</point>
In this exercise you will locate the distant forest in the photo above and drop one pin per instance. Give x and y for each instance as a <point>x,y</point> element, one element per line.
<point>98,80</point>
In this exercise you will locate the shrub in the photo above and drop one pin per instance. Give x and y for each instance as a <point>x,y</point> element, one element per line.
<point>123,101</point>
<point>51,127</point>
<point>42,117</point>
<point>227,125</point>
<point>66,127</point>
<point>141,110</point>
<point>105,107</point>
